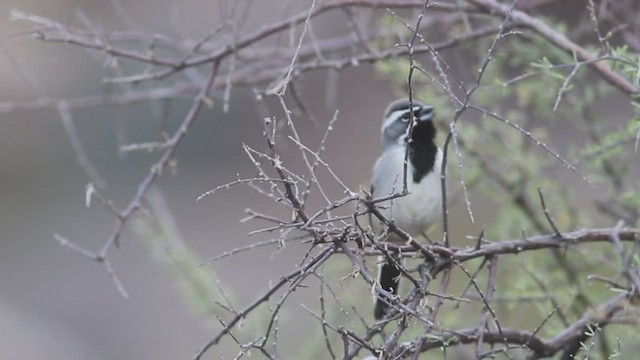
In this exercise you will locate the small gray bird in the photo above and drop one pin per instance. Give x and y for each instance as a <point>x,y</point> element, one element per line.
<point>417,211</point>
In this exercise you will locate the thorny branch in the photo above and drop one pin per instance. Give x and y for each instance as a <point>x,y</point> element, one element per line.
<point>234,59</point>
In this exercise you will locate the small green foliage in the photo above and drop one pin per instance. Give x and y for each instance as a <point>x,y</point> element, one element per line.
<point>617,353</point>
<point>538,86</point>
<point>545,66</point>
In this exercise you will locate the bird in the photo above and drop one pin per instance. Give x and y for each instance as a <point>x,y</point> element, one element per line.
<point>418,210</point>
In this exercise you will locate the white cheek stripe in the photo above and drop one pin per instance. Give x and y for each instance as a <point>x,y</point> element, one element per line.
<point>396,115</point>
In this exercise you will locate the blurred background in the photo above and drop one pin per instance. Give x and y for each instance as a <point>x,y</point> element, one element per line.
<point>56,304</point>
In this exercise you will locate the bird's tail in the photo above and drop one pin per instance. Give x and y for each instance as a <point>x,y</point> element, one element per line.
<point>389,279</point>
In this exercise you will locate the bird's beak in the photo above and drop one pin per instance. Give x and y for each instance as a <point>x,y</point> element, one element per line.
<point>424,113</point>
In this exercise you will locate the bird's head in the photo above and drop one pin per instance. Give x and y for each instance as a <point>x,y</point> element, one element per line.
<point>397,120</point>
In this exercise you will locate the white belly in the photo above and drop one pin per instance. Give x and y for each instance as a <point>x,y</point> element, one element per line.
<point>421,208</point>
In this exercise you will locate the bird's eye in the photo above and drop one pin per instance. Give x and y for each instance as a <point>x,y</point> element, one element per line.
<point>404,118</point>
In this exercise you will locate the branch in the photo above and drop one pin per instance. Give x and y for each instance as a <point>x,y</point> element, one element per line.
<point>560,41</point>
<point>516,246</point>
<point>159,166</point>
<point>545,242</point>
<point>319,259</point>
<point>600,316</point>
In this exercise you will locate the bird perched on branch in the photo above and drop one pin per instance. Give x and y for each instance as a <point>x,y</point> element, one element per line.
<point>418,210</point>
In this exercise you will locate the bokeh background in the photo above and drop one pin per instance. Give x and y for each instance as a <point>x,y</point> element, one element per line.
<point>55,304</point>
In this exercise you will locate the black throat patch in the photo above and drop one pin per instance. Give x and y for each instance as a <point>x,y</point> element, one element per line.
<point>422,149</point>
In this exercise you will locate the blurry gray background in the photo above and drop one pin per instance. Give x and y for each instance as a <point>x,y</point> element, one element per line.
<point>55,304</point>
